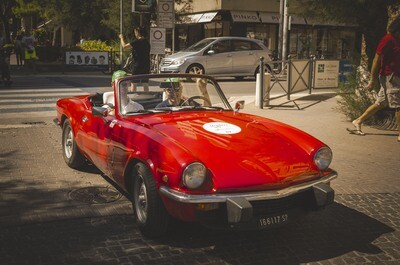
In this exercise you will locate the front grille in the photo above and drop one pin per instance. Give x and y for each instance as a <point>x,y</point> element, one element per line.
<point>299,200</point>
<point>166,62</point>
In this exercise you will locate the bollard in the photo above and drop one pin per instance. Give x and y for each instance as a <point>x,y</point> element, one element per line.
<point>267,81</point>
<point>259,100</point>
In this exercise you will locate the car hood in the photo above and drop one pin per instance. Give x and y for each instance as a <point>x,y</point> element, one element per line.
<point>242,150</point>
<point>179,55</point>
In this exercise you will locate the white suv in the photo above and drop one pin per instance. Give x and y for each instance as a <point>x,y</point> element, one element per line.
<point>219,56</point>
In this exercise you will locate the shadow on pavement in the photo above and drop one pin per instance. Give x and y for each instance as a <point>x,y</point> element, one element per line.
<point>330,234</point>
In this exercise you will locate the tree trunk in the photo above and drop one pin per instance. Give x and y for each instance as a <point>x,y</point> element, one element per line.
<point>6,28</point>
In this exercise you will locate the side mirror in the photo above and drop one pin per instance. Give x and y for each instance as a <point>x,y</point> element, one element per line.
<point>211,52</point>
<point>99,111</point>
<point>239,105</point>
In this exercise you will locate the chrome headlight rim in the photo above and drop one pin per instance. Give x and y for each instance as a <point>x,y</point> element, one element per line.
<point>323,158</point>
<point>194,175</point>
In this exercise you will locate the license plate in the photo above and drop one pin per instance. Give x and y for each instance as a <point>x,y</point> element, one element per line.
<point>273,220</point>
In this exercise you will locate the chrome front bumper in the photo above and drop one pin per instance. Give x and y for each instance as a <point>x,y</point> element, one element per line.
<point>249,196</point>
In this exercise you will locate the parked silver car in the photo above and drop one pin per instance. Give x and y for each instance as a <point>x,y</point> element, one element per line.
<point>219,56</point>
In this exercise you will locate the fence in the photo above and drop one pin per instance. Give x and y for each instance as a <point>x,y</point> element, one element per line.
<point>294,76</point>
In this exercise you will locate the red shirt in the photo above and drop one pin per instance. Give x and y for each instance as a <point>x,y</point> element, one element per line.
<point>389,47</point>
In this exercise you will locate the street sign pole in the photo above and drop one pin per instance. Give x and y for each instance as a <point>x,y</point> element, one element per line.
<point>120,29</point>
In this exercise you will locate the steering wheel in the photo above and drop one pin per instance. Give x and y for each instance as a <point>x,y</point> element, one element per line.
<point>190,101</point>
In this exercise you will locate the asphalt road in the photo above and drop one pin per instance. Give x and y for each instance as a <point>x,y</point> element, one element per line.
<point>42,222</point>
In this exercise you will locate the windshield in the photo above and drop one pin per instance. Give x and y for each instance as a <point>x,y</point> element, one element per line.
<point>171,92</point>
<point>199,45</point>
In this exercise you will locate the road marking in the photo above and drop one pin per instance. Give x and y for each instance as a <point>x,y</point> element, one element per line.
<point>14,126</point>
<point>39,105</point>
<point>37,90</point>
<point>34,102</point>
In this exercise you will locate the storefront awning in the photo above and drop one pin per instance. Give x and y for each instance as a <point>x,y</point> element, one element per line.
<point>198,18</point>
<point>207,17</point>
<point>245,16</point>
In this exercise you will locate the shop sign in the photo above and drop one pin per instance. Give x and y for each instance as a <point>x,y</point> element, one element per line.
<point>273,18</point>
<point>86,58</point>
<point>245,16</point>
<point>326,74</point>
<point>207,17</point>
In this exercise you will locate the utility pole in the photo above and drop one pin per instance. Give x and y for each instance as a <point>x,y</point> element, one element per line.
<point>285,29</point>
<point>280,37</point>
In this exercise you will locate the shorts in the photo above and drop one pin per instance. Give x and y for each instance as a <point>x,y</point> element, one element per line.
<point>389,93</point>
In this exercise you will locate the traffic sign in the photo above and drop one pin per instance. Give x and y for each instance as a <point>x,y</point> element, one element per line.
<point>166,14</point>
<point>157,40</point>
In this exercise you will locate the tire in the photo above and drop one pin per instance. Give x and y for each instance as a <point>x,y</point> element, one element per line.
<point>195,68</point>
<point>72,156</point>
<point>151,215</point>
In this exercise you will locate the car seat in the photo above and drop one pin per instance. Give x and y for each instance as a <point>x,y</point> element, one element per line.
<point>108,98</point>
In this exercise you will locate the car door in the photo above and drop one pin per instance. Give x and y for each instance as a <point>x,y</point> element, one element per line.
<point>244,56</point>
<point>220,62</point>
<point>95,137</point>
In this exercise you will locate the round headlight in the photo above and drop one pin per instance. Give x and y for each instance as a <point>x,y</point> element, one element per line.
<point>194,175</point>
<point>323,158</point>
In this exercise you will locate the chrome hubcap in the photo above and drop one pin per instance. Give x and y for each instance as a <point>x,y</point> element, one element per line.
<point>194,70</point>
<point>68,144</point>
<point>141,201</point>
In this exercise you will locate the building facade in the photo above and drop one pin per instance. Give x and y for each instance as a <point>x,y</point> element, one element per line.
<point>260,20</point>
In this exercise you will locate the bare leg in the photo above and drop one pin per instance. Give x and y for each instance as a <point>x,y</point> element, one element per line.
<point>132,88</point>
<point>366,115</point>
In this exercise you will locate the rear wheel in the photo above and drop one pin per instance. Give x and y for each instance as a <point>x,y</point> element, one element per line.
<point>151,215</point>
<point>72,156</point>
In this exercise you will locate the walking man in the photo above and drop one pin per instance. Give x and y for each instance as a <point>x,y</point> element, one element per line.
<point>385,72</point>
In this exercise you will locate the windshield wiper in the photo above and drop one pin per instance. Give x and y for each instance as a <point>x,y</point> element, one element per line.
<point>143,111</point>
<point>199,108</point>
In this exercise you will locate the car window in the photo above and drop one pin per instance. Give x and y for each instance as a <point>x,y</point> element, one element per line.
<point>242,45</point>
<point>222,46</point>
<point>199,45</point>
<point>255,46</point>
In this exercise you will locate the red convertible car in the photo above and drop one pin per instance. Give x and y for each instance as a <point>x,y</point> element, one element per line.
<point>175,144</point>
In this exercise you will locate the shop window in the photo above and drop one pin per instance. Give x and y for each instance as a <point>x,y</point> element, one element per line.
<point>213,29</point>
<point>264,32</point>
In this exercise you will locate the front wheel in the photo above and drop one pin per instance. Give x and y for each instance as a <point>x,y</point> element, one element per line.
<point>195,68</point>
<point>151,215</point>
<point>72,156</point>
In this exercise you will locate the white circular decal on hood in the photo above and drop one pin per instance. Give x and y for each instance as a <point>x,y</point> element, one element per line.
<point>221,128</point>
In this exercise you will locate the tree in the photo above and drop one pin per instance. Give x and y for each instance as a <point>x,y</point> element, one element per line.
<point>371,16</point>
<point>6,7</point>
